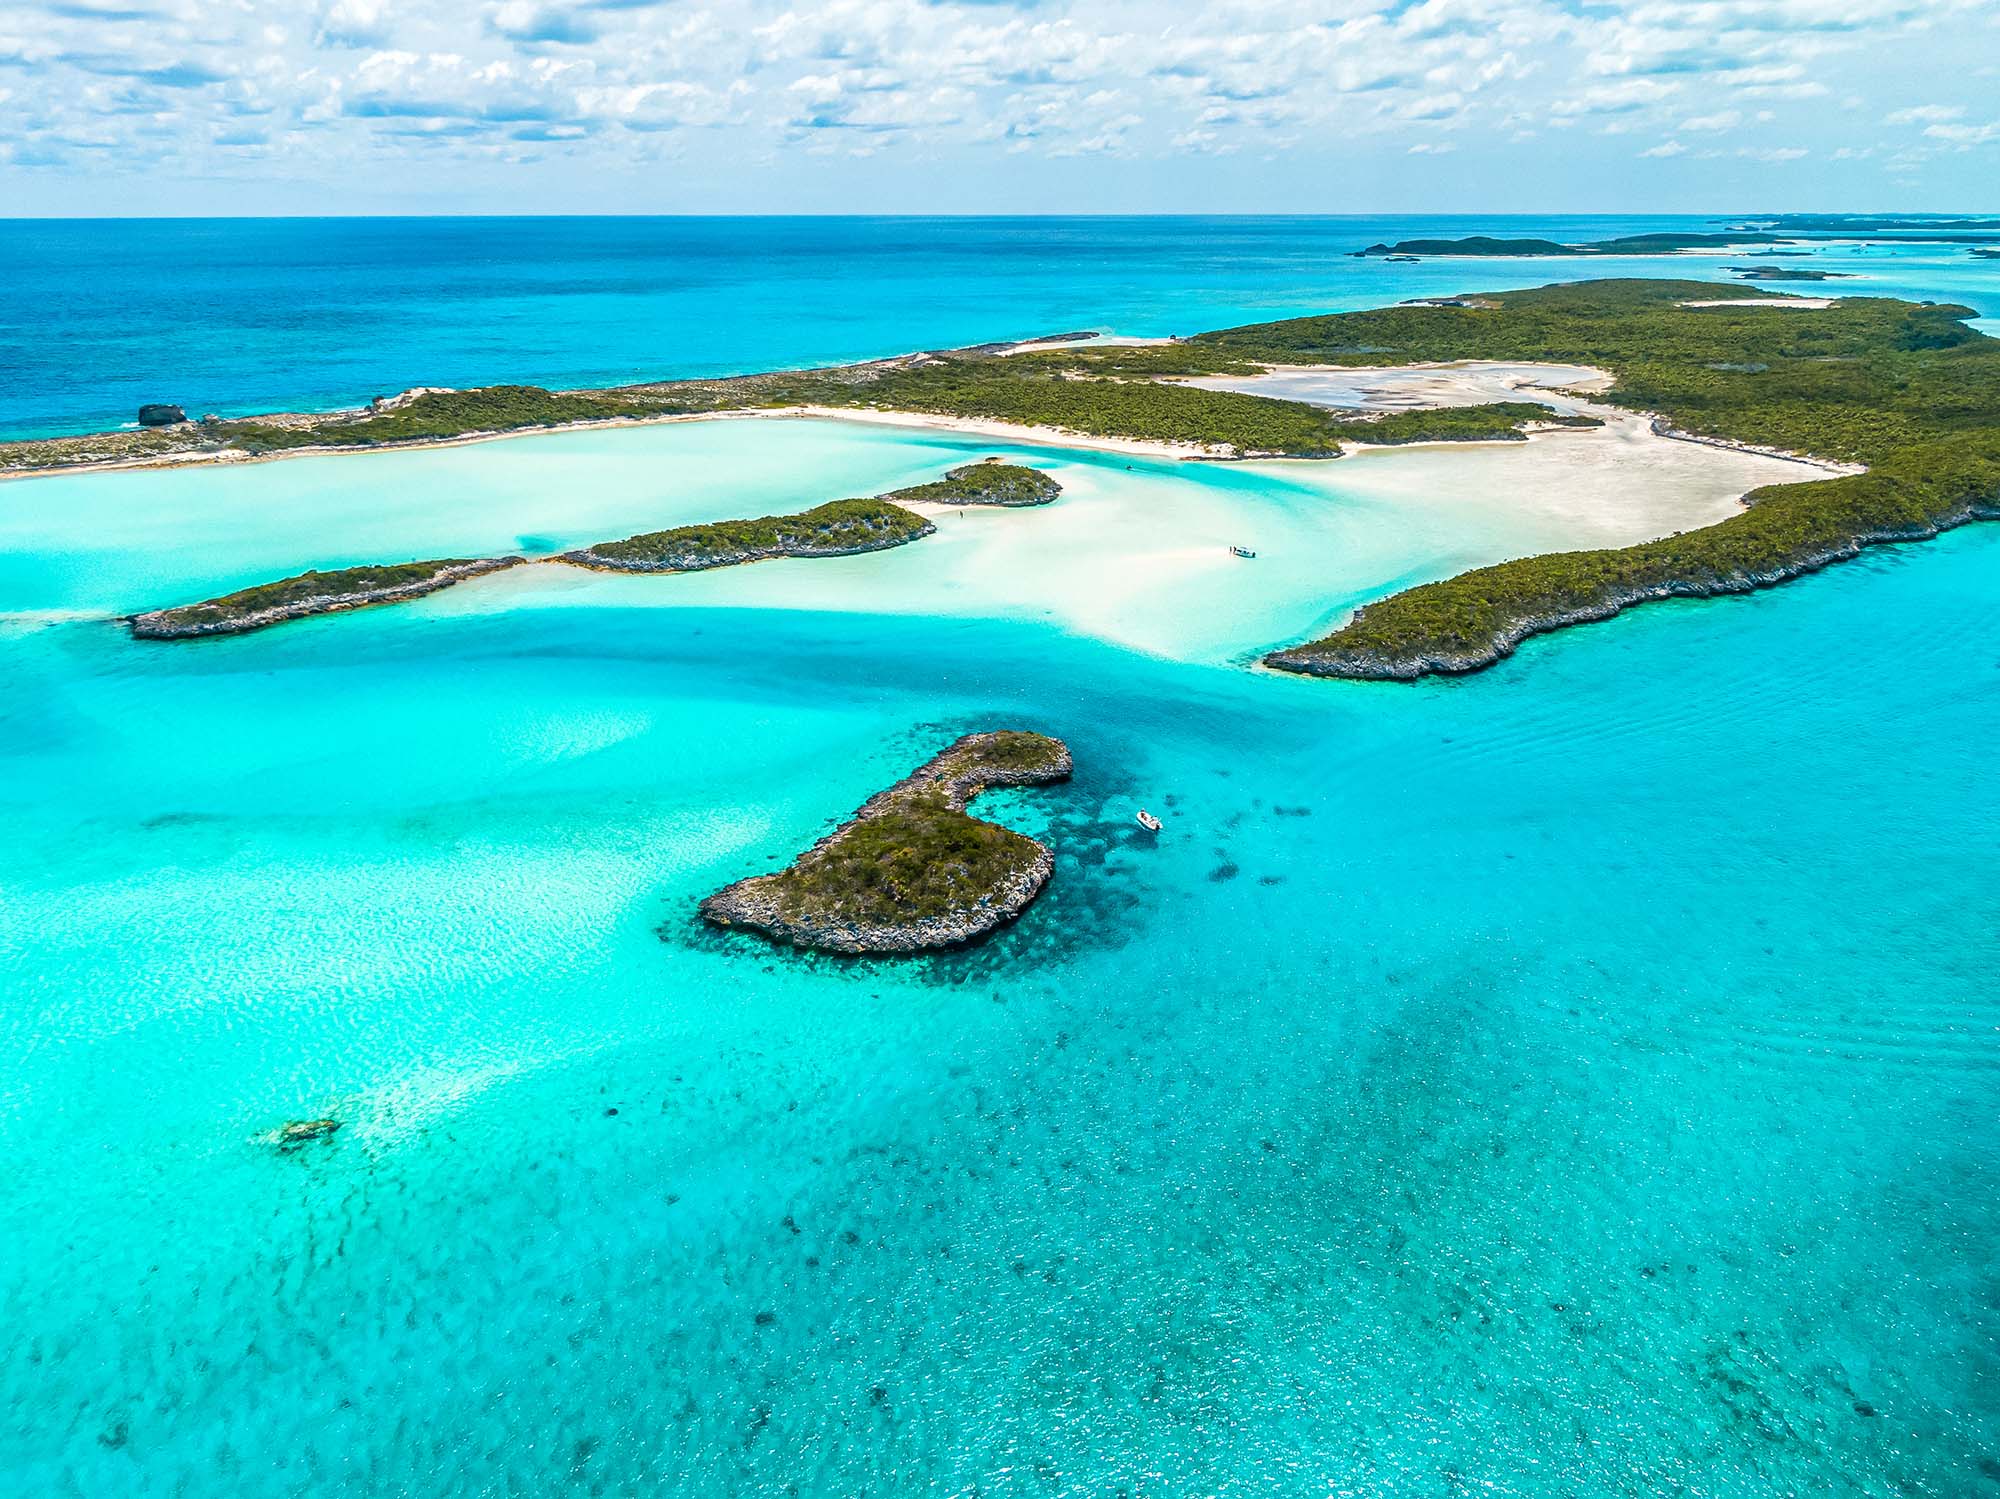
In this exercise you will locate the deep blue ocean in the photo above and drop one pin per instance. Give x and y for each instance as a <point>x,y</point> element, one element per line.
<point>238,316</point>
<point>1574,1080</point>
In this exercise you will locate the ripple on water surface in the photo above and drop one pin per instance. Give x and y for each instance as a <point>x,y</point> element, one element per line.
<point>1580,1081</point>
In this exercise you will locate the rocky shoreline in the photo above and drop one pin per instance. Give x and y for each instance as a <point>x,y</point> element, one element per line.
<point>839,528</point>
<point>1376,665</point>
<point>193,621</point>
<point>814,903</point>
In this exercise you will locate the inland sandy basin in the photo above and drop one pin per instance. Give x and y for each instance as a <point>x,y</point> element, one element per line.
<point>1135,552</point>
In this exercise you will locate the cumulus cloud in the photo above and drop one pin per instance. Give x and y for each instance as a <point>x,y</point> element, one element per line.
<point>1964,136</point>
<point>432,85</point>
<point>353,23</point>
<point>1923,114</point>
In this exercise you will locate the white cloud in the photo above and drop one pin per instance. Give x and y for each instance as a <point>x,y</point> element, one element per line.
<point>360,89</point>
<point>353,23</point>
<point>1922,114</point>
<point>1964,136</point>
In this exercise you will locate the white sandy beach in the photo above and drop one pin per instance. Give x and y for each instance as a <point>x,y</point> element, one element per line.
<point>1140,554</point>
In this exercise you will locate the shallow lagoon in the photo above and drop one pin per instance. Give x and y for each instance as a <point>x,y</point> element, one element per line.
<point>1573,1079</point>
<point>1135,551</point>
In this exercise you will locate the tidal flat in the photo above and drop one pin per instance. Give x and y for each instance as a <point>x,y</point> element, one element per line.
<point>1134,550</point>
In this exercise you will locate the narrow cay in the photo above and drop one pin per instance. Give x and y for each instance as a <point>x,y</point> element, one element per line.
<point>310,593</point>
<point>840,528</point>
<point>911,871</point>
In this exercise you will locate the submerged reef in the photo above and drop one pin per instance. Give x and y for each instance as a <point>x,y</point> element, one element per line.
<point>297,1132</point>
<point>911,870</point>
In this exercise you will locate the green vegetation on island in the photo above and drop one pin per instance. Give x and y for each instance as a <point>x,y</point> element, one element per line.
<point>440,414</point>
<point>989,482</point>
<point>912,870</point>
<point>309,593</point>
<point>839,528</point>
<point>1906,389</point>
<point>1497,421</point>
<point>1074,391</point>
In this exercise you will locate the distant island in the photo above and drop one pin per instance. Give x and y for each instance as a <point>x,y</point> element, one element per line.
<point>1783,230</point>
<point>1783,273</point>
<point>911,871</point>
<point>1631,244</point>
<point>1865,224</point>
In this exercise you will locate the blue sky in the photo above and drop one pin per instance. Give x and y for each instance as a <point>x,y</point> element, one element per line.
<point>668,106</point>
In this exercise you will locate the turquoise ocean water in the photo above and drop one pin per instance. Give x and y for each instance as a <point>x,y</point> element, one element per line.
<point>1577,1079</point>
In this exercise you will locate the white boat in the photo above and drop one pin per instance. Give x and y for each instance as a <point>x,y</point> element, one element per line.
<point>1149,822</point>
<point>1242,551</point>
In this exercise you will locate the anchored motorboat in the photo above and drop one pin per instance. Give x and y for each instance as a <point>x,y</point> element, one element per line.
<point>1242,551</point>
<point>1149,822</point>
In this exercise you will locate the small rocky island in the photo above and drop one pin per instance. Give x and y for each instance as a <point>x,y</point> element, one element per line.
<point>310,593</point>
<point>912,870</point>
<point>1783,273</point>
<point>991,481</point>
<point>840,528</point>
